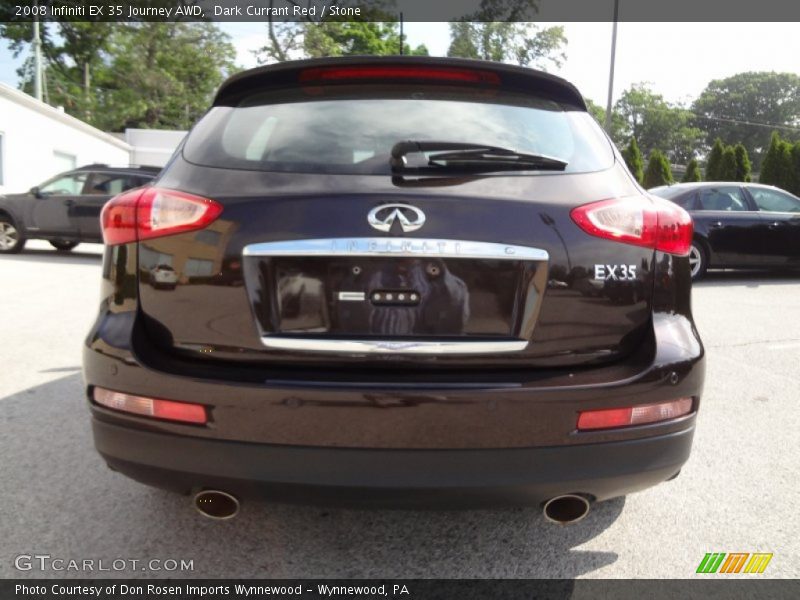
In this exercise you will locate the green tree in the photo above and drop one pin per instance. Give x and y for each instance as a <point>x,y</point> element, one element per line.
<point>73,52</point>
<point>658,170</point>
<point>154,78</point>
<point>794,186</point>
<point>346,38</point>
<point>633,158</point>
<point>727,166</point>
<point>743,166</point>
<point>728,107</point>
<point>776,168</point>
<point>692,172</point>
<point>136,74</point>
<point>526,44</point>
<point>714,161</point>
<point>657,124</point>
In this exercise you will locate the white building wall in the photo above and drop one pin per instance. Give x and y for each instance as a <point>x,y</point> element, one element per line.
<point>153,147</point>
<point>39,141</point>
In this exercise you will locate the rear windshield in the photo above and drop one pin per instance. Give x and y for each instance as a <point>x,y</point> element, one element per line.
<point>351,129</point>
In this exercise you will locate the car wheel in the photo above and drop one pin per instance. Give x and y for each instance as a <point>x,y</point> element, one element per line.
<point>62,245</point>
<point>11,238</point>
<point>698,260</point>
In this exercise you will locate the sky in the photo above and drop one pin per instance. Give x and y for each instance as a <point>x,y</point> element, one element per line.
<point>677,59</point>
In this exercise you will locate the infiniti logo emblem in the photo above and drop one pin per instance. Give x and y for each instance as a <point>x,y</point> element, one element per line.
<point>383,217</point>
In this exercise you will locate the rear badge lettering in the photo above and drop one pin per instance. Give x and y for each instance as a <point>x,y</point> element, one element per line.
<point>614,272</point>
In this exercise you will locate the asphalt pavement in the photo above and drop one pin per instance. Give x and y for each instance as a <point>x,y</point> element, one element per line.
<point>737,493</point>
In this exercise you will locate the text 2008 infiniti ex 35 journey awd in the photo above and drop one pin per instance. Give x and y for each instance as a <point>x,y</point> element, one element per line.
<point>431,278</point>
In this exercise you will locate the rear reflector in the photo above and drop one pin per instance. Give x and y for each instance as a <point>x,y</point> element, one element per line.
<point>652,223</point>
<point>332,74</point>
<point>633,415</point>
<point>154,212</point>
<point>151,407</point>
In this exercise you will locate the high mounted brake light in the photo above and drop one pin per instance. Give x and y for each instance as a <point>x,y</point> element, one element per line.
<point>389,72</point>
<point>655,223</point>
<point>154,212</point>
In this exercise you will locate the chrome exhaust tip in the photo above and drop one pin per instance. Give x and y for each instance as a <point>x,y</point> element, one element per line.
<point>566,509</point>
<point>216,504</point>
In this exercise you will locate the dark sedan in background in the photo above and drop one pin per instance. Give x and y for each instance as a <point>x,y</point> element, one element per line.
<point>739,225</point>
<point>65,210</point>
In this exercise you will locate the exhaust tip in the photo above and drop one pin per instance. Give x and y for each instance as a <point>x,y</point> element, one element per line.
<point>566,509</point>
<point>216,504</point>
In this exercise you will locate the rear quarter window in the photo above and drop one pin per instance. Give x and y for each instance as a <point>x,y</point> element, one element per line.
<point>351,129</point>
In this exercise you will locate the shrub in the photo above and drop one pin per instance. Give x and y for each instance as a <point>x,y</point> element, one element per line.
<point>692,172</point>
<point>658,170</point>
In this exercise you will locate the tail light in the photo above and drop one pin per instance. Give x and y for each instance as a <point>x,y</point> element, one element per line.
<point>633,415</point>
<point>154,212</point>
<point>655,223</point>
<point>151,407</point>
<point>394,72</point>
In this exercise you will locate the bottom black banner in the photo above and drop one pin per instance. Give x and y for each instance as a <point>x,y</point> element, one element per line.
<point>397,589</point>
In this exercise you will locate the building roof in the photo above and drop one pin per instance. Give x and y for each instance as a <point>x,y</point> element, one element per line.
<point>32,103</point>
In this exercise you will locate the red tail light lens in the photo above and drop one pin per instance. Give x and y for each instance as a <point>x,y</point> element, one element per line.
<point>154,212</point>
<point>151,407</point>
<point>657,224</point>
<point>633,415</point>
<point>321,74</point>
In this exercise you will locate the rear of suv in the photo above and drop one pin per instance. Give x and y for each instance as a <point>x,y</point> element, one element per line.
<point>432,278</point>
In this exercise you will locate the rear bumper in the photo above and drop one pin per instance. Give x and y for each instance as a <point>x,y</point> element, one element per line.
<point>482,437</point>
<point>393,477</point>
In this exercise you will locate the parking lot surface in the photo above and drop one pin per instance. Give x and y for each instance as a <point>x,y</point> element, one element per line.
<point>738,493</point>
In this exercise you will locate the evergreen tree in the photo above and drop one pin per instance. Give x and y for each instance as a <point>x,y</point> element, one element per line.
<point>795,183</point>
<point>658,170</point>
<point>743,166</point>
<point>692,172</point>
<point>784,178</point>
<point>714,161</point>
<point>770,166</point>
<point>727,167</point>
<point>633,158</point>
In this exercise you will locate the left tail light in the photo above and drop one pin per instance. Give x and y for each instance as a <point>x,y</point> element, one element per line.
<point>652,223</point>
<point>154,212</point>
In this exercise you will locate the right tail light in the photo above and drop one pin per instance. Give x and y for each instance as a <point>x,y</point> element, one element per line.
<point>653,223</point>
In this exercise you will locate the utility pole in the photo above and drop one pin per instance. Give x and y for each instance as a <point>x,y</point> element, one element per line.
<point>37,56</point>
<point>611,69</point>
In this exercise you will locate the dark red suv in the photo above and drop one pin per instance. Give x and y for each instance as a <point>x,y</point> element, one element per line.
<point>432,279</point>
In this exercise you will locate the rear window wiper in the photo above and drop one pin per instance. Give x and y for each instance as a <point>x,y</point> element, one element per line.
<point>471,157</point>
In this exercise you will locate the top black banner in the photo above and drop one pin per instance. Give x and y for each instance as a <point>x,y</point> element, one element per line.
<point>407,10</point>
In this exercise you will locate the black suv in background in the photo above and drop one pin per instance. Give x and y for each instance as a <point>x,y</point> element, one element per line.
<point>378,273</point>
<point>65,209</point>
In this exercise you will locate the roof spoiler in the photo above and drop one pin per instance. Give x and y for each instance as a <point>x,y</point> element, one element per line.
<point>291,73</point>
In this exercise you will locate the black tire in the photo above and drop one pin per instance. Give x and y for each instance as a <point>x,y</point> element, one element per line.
<point>12,240</point>
<point>63,245</point>
<point>698,260</point>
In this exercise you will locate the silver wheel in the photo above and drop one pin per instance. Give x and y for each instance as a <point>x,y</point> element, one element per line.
<point>696,260</point>
<point>9,236</point>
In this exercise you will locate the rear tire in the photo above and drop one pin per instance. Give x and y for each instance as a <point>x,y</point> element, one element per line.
<point>63,245</point>
<point>11,239</point>
<point>698,260</point>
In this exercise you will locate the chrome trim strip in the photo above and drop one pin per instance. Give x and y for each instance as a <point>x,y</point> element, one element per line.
<point>394,246</point>
<point>391,346</point>
<point>352,296</point>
